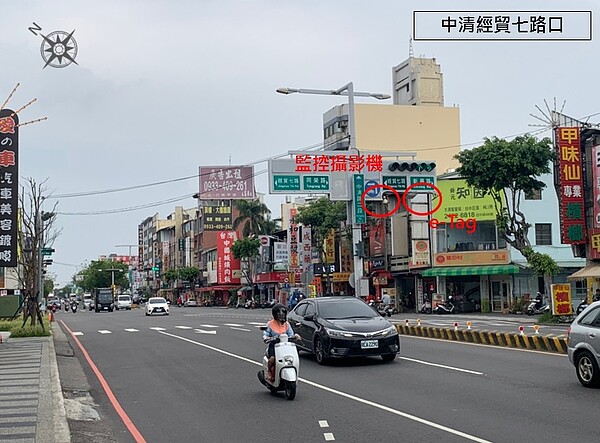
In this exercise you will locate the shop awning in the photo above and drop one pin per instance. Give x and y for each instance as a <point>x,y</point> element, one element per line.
<point>590,271</point>
<point>471,270</point>
<point>220,288</point>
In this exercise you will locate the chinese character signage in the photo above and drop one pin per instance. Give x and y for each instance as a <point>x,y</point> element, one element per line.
<point>594,235</point>
<point>561,299</point>
<point>140,247</point>
<point>218,218</point>
<point>226,264</point>
<point>466,201</point>
<point>281,252</point>
<point>9,175</point>
<point>306,248</point>
<point>420,254</point>
<point>596,185</point>
<point>377,239</point>
<point>227,182</point>
<point>571,186</point>
<point>502,25</point>
<point>346,262</point>
<point>330,247</point>
<point>338,163</point>
<point>293,241</point>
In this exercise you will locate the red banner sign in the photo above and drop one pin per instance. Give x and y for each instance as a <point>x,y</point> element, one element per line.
<point>571,186</point>
<point>226,264</point>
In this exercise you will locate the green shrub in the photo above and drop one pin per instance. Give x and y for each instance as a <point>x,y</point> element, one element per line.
<point>547,317</point>
<point>14,327</point>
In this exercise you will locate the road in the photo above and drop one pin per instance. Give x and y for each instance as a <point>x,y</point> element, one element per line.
<point>191,377</point>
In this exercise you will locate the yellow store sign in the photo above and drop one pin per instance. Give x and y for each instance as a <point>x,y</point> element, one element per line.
<point>466,201</point>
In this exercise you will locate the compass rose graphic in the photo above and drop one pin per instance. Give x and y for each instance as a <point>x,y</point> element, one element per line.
<point>59,49</point>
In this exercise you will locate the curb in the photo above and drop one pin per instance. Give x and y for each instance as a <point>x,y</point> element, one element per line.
<point>492,338</point>
<point>61,432</point>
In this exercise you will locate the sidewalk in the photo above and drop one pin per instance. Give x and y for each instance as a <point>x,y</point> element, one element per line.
<point>32,409</point>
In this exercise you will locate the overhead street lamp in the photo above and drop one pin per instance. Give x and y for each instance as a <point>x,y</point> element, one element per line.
<point>347,90</point>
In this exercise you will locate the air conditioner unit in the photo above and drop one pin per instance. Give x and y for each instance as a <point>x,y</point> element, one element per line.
<point>343,123</point>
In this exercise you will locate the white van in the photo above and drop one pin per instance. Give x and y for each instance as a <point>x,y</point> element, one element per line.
<point>87,299</point>
<point>123,302</point>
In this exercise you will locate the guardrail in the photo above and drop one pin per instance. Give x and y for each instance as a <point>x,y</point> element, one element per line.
<point>492,338</point>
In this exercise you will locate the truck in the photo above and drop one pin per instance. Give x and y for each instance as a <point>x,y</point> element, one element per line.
<point>102,299</point>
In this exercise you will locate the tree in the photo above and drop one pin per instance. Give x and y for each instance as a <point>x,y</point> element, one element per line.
<point>36,232</point>
<point>271,226</point>
<point>188,274</point>
<point>247,250</point>
<point>322,215</point>
<point>509,169</point>
<point>253,216</point>
<point>99,274</point>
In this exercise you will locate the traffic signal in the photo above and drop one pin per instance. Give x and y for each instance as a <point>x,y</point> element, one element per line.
<point>181,244</point>
<point>360,249</point>
<point>427,166</point>
<point>156,270</point>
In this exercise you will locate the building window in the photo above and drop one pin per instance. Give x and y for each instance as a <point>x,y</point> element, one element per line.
<point>535,194</point>
<point>543,234</point>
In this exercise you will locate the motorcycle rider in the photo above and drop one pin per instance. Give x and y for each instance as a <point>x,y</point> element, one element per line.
<point>279,325</point>
<point>539,301</point>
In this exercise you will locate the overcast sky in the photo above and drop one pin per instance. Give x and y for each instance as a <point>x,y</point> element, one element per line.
<point>162,87</point>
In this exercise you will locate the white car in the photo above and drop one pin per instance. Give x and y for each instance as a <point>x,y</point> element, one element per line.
<point>123,302</point>
<point>190,302</point>
<point>157,305</point>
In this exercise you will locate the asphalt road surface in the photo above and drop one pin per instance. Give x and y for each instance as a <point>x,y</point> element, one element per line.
<point>191,377</point>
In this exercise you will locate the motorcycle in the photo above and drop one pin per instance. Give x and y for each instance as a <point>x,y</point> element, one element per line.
<point>425,308</point>
<point>287,364</point>
<point>534,309</point>
<point>74,307</point>
<point>446,307</point>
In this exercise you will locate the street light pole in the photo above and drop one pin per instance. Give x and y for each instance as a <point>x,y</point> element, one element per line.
<point>347,90</point>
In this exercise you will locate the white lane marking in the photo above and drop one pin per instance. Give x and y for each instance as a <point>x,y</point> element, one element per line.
<point>256,323</point>
<point>323,423</point>
<point>156,328</point>
<point>554,354</point>
<point>232,324</point>
<point>442,366</point>
<point>328,436</point>
<point>104,331</point>
<point>344,394</point>
<point>183,327</point>
<point>132,330</point>
<point>209,326</point>
<point>77,333</point>
<point>241,329</point>
<point>200,331</point>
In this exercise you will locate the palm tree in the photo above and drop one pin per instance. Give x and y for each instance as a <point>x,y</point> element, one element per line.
<point>272,226</point>
<point>253,215</point>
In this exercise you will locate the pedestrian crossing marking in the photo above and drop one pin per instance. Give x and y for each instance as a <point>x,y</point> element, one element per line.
<point>156,328</point>
<point>256,323</point>
<point>201,331</point>
<point>183,327</point>
<point>132,330</point>
<point>77,333</point>
<point>209,326</point>
<point>233,324</point>
<point>104,331</point>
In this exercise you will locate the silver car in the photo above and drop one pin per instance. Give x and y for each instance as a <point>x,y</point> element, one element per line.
<point>584,346</point>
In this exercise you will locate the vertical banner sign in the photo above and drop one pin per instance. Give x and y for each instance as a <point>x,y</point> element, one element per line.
<point>571,186</point>
<point>346,262</point>
<point>306,248</point>
<point>330,247</point>
<point>293,241</point>
<point>360,216</point>
<point>561,299</point>
<point>9,187</point>
<point>226,264</point>
<point>594,235</point>
<point>596,185</point>
<point>140,248</point>
<point>377,239</point>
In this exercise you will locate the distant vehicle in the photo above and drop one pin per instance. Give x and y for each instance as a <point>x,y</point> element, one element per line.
<point>157,305</point>
<point>103,300</point>
<point>87,299</point>
<point>123,302</point>
<point>190,302</point>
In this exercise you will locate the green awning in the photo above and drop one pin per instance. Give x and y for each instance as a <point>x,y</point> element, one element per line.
<point>471,270</point>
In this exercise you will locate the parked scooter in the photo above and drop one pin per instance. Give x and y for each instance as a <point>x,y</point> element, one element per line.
<point>287,364</point>
<point>535,308</point>
<point>425,307</point>
<point>446,308</point>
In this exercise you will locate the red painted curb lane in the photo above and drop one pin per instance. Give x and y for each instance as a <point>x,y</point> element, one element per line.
<point>122,414</point>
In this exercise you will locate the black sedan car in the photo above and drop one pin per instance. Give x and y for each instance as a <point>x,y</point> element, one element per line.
<point>343,327</point>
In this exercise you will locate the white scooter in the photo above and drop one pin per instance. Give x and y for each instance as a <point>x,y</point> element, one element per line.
<point>287,364</point>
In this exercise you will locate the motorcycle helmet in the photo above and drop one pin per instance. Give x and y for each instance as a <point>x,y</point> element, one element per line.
<point>279,313</point>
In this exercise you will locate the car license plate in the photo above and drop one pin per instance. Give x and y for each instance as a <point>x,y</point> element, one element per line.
<point>369,344</point>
